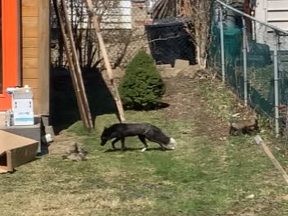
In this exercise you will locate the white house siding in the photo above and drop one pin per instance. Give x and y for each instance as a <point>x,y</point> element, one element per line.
<point>118,21</point>
<point>114,15</point>
<point>274,12</point>
<point>119,17</point>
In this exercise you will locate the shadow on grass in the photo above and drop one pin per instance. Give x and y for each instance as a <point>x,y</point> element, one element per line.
<point>158,106</point>
<point>136,149</point>
<point>63,104</point>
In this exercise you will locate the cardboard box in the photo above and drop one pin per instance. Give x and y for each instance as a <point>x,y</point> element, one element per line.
<point>15,150</point>
<point>31,132</point>
<point>2,119</point>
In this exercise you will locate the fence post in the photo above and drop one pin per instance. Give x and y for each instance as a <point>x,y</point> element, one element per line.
<point>276,85</point>
<point>244,59</point>
<point>222,43</point>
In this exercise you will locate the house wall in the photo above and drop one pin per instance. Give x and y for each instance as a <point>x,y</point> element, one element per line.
<point>274,12</point>
<point>122,29</point>
<point>35,51</point>
<point>9,48</point>
<point>117,18</point>
<point>135,39</point>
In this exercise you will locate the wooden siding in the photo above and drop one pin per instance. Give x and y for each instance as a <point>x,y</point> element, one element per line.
<point>274,12</point>
<point>35,51</point>
<point>30,8</point>
<point>30,27</point>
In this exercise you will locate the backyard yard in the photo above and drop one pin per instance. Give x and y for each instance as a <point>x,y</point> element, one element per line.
<point>209,173</point>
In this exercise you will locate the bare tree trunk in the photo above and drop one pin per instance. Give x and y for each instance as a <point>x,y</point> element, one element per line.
<point>200,13</point>
<point>202,20</point>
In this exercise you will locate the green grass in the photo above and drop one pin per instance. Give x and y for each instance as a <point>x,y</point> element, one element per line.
<point>201,177</point>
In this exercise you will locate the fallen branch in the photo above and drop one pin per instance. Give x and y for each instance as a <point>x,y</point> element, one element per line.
<point>276,163</point>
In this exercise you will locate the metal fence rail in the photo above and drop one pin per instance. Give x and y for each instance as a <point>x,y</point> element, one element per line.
<point>127,26</point>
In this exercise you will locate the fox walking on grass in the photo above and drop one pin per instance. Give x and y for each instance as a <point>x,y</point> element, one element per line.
<point>118,132</point>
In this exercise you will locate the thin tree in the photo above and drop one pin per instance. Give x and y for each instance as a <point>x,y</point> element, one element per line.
<point>200,13</point>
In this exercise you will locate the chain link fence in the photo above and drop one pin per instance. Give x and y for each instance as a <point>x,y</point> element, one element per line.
<point>127,27</point>
<point>122,25</point>
<point>252,57</point>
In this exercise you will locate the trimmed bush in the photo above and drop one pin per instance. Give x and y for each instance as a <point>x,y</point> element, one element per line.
<point>141,86</point>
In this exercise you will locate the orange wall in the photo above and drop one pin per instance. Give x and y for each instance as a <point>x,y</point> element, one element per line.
<point>10,49</point>
<point>33,52</point>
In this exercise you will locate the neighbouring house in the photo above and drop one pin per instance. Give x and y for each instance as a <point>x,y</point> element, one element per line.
<point>274,13</point>
<point>122,23</point>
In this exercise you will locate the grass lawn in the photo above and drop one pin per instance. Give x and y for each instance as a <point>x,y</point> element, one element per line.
<point>204,176</point>
<point>201,177</point>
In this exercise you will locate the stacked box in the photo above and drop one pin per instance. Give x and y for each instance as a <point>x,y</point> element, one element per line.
<point>22,106</point>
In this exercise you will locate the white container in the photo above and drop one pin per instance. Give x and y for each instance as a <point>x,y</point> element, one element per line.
<point>22,106</point>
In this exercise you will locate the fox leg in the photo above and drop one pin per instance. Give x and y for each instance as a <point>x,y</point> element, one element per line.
<point>143,140</point>
<point>114,141</point>
<point>122,143</point>
<point>153,140</point>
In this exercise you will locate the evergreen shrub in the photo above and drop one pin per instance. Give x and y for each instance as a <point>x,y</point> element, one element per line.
<point>141,87</point>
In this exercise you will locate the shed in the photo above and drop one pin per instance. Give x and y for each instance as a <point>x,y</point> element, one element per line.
<point>25,51</point>
<point>25,60</point>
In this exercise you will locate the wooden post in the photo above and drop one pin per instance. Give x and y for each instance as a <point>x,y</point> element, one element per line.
<point>276,163</point>
<point>78,68</point>
<point>71,65</point>
<point>9,161</point>
<point>114,89</point>
<point>73,61</point>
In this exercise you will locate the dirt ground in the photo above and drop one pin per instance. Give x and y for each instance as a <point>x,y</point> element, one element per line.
<point>187,103</point>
